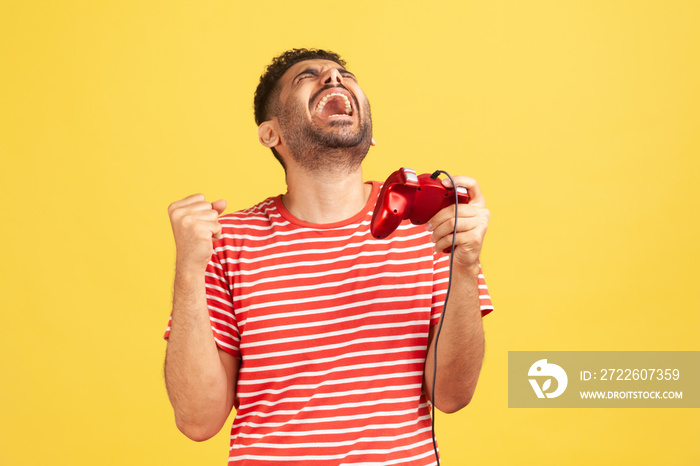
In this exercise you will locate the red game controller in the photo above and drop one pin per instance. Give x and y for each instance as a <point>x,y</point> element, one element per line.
<point>407,196</point>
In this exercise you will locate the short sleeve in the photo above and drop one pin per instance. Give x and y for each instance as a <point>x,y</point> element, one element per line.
<point>221,310</point>
<point>441,277</point>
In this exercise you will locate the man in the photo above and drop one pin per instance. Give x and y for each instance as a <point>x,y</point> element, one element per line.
<point>319,335</point>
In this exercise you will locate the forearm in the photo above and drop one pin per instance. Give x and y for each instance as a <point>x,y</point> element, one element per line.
<point>460,348</point>
<point>195,376</point>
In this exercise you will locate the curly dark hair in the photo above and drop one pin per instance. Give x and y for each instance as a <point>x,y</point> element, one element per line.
<point>268,90</point>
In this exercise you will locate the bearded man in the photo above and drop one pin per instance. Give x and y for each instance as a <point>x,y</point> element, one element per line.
<point>319,335</point>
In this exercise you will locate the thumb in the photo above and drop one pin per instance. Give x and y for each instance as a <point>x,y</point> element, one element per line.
<point>219,206</point>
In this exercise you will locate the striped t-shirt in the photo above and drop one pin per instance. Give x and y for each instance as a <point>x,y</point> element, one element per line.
<point>331,326</point>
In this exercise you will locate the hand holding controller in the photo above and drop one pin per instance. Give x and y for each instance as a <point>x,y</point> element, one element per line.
<point>417,198</point>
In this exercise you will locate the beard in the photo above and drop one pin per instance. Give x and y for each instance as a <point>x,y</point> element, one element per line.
<point>341,147</point>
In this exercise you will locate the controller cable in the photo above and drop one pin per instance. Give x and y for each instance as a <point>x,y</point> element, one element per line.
<point>444,308</point>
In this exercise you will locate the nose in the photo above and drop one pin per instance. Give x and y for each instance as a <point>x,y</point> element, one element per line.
<point>333,76</point>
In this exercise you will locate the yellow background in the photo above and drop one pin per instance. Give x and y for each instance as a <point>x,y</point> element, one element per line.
<point>580,120</point>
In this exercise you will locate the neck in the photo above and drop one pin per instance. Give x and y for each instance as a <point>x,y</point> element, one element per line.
<point>324,196</point>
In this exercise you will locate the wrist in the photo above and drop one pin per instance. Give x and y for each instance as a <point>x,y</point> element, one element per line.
<point>189,289</point>
<point>468,271</point>
<point>187,271</point>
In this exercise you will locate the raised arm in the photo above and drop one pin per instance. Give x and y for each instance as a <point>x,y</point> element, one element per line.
<point>200,377</point>
<point>461,344</point>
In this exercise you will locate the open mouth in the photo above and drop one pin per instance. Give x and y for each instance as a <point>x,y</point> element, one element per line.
<point>334,105</point>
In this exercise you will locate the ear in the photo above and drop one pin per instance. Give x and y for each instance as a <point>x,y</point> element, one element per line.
<point>268,133</point>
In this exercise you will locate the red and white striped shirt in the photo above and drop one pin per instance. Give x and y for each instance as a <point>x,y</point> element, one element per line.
<point>331,326</point>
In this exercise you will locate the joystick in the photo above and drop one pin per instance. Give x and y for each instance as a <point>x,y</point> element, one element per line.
<point>407,196</point>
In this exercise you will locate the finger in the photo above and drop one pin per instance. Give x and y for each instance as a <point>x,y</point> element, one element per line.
<point>216,231</point>
<point>189,205</point>
<point>198,197</point>
<point>463,225</point>
<point>199,207</point>
<point>475,196</point>
<point>469,230</point>
<point>465,242</point>
<point>185,202</point>
<point>448,213</point>
<point>199,220</point>
<point>219,206</point>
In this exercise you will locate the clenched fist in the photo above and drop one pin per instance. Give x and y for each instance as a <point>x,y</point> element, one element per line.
<point>195,225</point>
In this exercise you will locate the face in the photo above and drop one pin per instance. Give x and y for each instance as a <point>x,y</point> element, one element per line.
<point>324,116</point>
